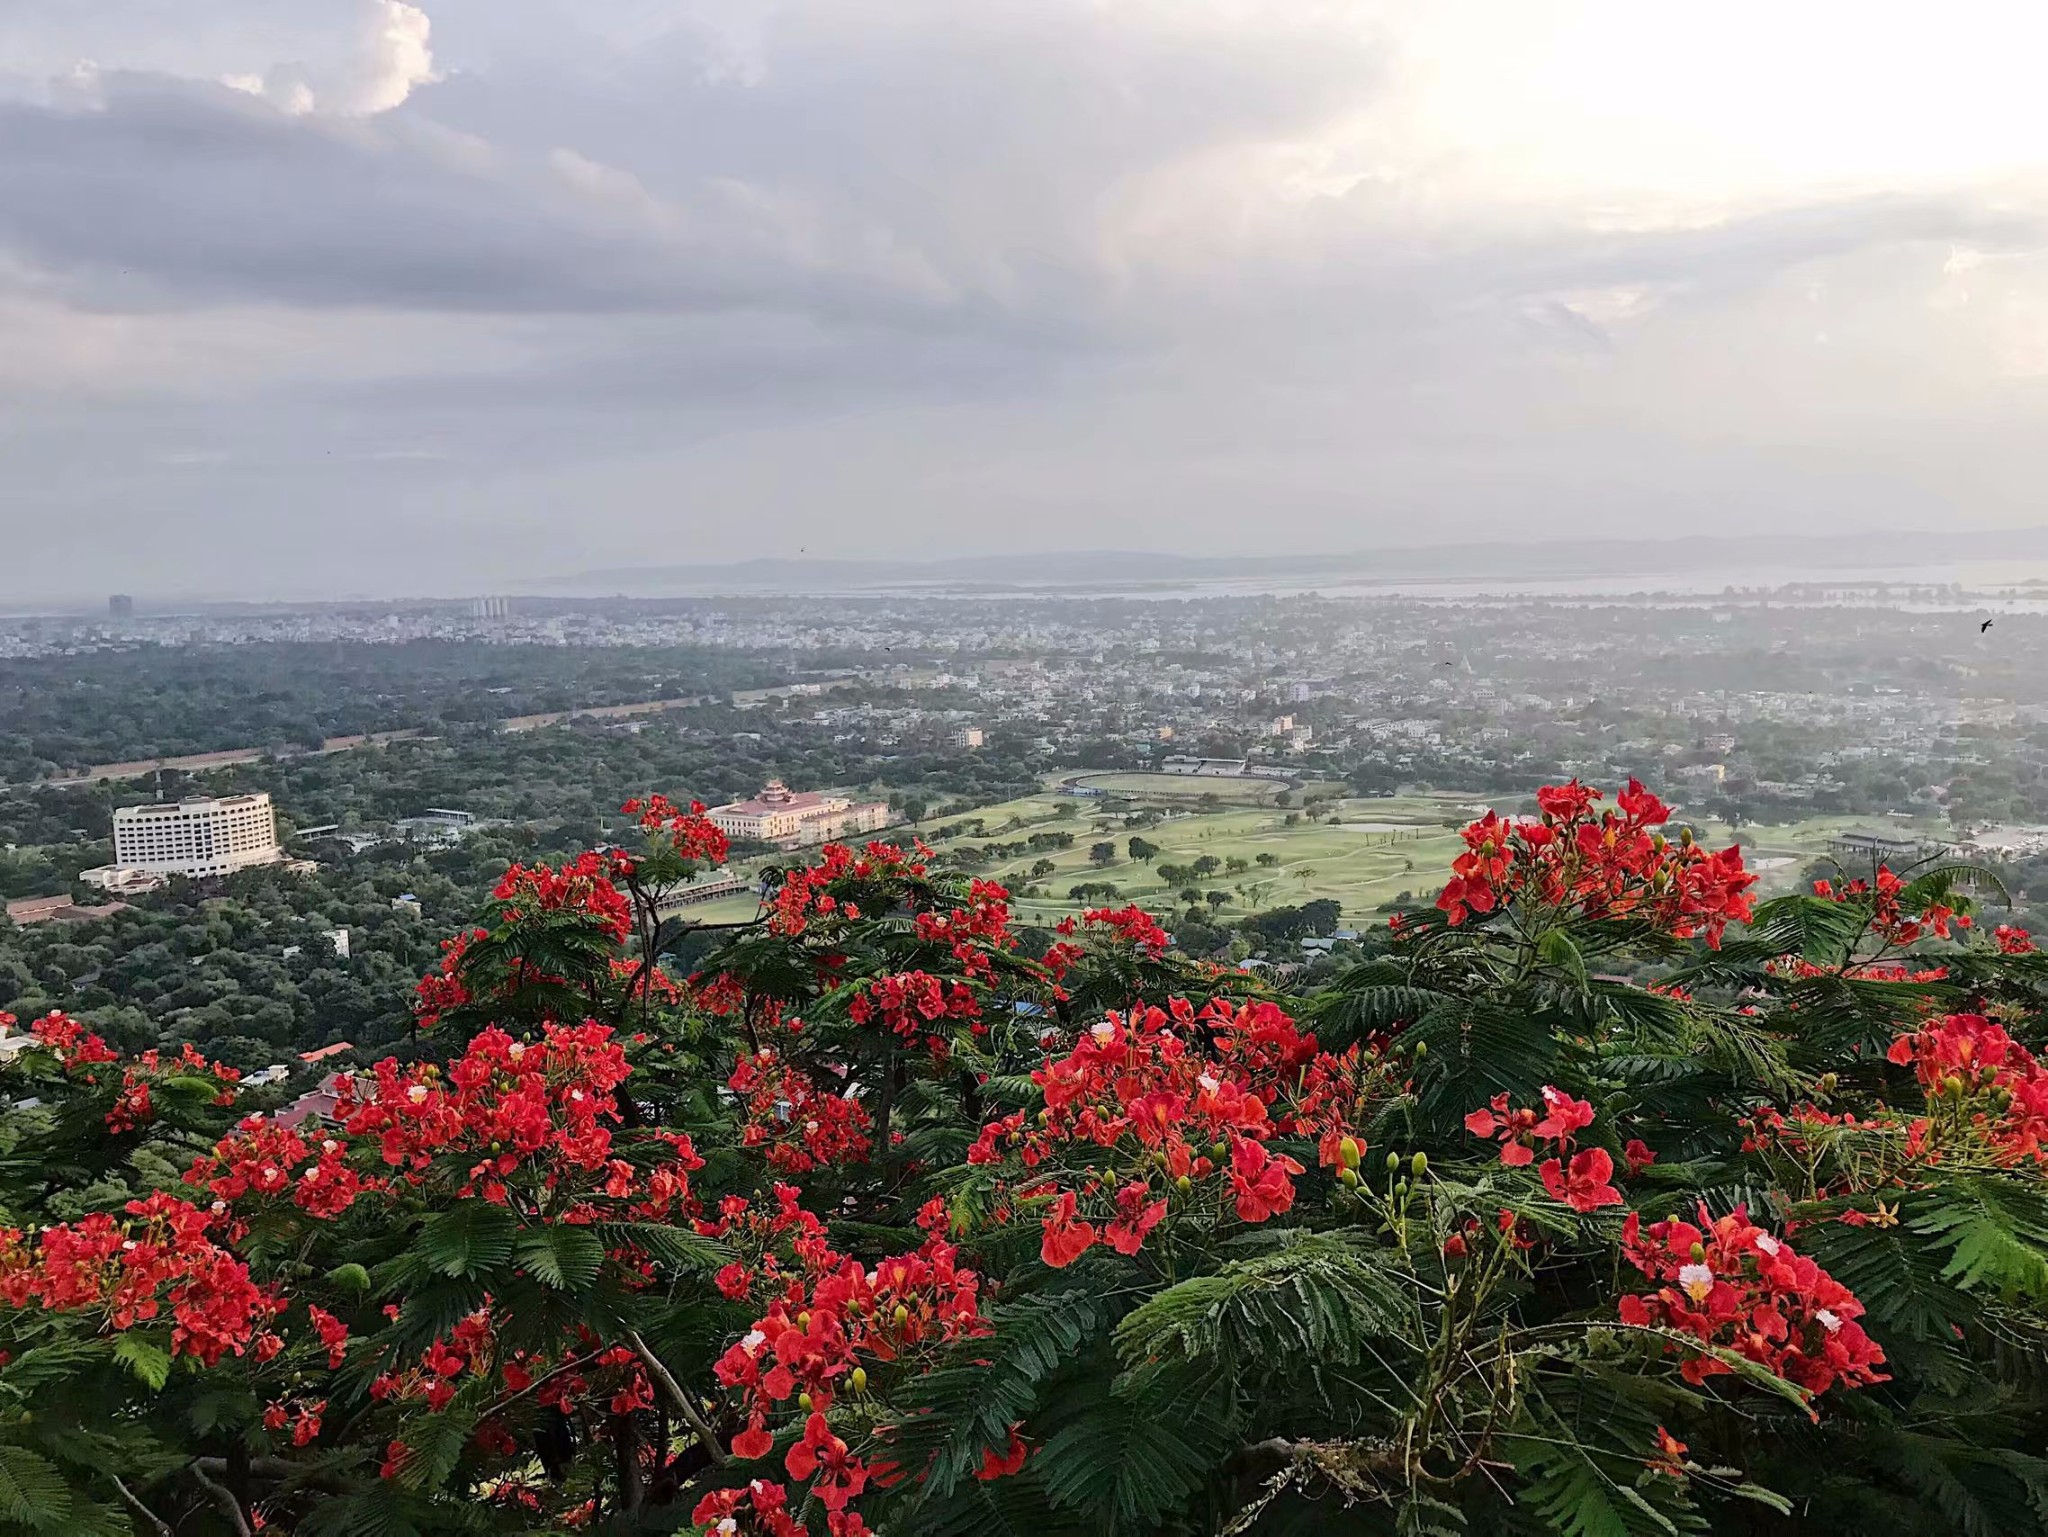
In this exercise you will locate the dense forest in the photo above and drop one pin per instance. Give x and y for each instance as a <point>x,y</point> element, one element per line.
<point>207,962</point>
<point>562,785</point>
<point>62,713</point>
<point>251,971</point>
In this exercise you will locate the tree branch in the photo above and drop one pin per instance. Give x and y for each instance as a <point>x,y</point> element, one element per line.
<point>280,1467</point>
<point>509,1399</point>
<point>231,1506</point>
<point>678,1397</point>
<point>156,1523</point>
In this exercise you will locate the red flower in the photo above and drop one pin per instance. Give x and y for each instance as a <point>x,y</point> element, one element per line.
<point>1263,1181</point>
<point>1670,1457</point>
<point>1566,802</point>
<point>333,1334</point>
<point>1584,1187</point>
<point>1131,924</point>
<point>798,1125</point>
<point>840,1475</point>
<point>582,886</point>
<point>1516,1128</point>
<point>74,1045</point>
<point>1638,1155</point>
<point>1066,1240</point>
<point>1010,1461</point>
<point>1513,1127</point>
<point>1134,1218</point>
<point>1731,1284</point>
<point>1566,1116</point>
<point>1604,867</point>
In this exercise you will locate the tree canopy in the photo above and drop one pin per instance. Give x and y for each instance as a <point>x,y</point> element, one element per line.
<point>871,1223</point>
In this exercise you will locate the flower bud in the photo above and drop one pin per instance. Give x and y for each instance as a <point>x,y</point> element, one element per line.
<point>1420,1164</point>
<point>902,1314</point>
<point>1828,1082</point>
<point>1220,1151</point>
<point>1393,1162</point>
<point>1183,1184</point>
<point>803,1320</point>
<point>1348,1178</point>
<point>803,1402</point>
<point>1348,1152</point>
<point>1454,1247</point>
<point>1699,1252</point>
<point>859,1379</point>
<point>1953,1086</point>
<point>1421,1049</point>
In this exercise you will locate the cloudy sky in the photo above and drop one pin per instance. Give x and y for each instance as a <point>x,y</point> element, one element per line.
<point>326,296</point>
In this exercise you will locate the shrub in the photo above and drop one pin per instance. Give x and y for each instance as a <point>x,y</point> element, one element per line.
<point>872,1223</point>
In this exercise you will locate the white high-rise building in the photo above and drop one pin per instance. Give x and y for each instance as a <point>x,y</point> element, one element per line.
<point>205,835</point>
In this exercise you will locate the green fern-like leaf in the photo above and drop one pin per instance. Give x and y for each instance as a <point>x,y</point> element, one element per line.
<point>1311,1304</point>
<point>959,1411</point>
<point>1995,1233</point>
<point>469,1239</point>
<point>1897,1275</point>
<point>1980,1492</point>
<point>1006,1507</point>
<point>145,1357</point>
<point>564,1258</point>
<point>32,1492</point>
<point>672,1246</point>
<point>1124,1463</point>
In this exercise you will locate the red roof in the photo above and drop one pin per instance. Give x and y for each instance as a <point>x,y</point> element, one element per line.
<point>327,1051</point>
<point>796,800</point>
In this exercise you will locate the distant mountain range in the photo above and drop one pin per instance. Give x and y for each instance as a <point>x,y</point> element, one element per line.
<point>1778,558</point>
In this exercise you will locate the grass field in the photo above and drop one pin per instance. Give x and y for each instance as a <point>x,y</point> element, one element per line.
<point>1186,788</point>
<point>1802,842</point>
<point>1378,849</point>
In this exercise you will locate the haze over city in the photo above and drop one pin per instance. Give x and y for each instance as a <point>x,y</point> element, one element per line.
<point>373,297</point>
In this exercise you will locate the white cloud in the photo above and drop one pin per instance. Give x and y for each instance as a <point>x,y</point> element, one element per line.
<point>1216,271</point>
<point>348,58</point>
<point>392,55</point>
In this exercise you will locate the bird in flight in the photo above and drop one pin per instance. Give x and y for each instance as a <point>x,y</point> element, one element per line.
<point>1983,627</point>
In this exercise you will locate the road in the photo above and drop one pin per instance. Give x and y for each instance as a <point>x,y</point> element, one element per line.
<point>199,762</point>
<point>192,763</point>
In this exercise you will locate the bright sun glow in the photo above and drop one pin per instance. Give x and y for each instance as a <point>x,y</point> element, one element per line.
<point>1735,104</point>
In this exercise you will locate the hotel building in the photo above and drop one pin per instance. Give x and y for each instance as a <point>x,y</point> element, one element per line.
<point>791,819</point>
<point>203,836</point>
